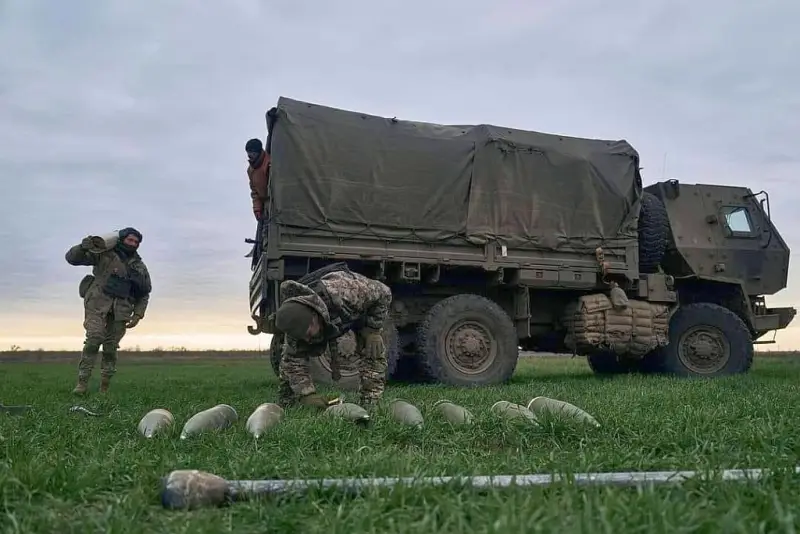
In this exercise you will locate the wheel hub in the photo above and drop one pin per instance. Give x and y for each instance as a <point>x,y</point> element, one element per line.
<point>470,347</point>
<point>704,349</point>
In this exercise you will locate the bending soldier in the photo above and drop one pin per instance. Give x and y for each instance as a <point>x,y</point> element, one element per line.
<point>313,318</point>
<point>115,297</point>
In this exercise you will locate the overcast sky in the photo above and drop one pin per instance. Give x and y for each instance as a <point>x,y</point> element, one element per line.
<point>120,113</point>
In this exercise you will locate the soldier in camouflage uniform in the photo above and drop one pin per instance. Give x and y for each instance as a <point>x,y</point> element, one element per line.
<point>115,297</point>
<point>314,317</point>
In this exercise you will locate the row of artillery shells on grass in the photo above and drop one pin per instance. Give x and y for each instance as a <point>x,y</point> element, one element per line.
<point>268,415</point>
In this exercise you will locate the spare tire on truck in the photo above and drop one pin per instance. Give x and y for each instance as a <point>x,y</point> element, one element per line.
<point>467,340</point>
<point>653,233</point>
<point>320,368</point>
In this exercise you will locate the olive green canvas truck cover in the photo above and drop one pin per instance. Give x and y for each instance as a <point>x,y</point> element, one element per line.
<point>352,173</point>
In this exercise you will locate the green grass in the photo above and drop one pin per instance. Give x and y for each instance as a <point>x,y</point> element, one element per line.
<point>63,472</point>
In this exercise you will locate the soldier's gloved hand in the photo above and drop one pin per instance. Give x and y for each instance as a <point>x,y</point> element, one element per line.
<point>373,343</point>
<point>133,321</point>
<point>86,243</point>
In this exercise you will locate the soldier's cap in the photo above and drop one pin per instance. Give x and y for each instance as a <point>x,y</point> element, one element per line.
<point>253,145</point>
<point>125,232</point>
<point>293,318</point>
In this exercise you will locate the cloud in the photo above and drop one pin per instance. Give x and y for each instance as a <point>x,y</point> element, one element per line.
<point>121,113</point>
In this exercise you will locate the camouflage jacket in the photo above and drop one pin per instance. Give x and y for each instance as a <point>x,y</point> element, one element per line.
<point>345,301</point>
<point>104,265</point>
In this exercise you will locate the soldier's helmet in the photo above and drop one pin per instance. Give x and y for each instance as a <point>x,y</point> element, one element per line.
<point>293,318</point>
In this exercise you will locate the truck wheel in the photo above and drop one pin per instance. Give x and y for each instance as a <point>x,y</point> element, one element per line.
<point>408,369</point>
<point>467,340</point>
<point>607,363</point>
<point>320,370</point>
<point>321,367</point>
<point>706,340</point>
<point>653,233</point>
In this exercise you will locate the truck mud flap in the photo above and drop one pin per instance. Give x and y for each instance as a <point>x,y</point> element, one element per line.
<point>259,291</point>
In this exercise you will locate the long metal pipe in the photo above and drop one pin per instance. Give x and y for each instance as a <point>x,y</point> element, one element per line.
<point>191,489</point>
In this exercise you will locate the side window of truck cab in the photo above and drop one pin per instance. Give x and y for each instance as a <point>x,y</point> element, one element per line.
<point>738,221</point>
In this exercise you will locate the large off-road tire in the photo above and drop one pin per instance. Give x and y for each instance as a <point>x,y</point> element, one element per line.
<point>653,233</point>
<point>608,364</point>
<point>408,369</point>
<point>467,340</point>
<point>705,340</point>
<point>320,368</point>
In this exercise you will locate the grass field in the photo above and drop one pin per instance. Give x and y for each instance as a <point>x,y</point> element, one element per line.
<point>63,472</point>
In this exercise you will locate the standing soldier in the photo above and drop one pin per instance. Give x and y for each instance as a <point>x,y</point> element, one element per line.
<point>258,175</point>
<point>115,297</point>
<point>313,317</point>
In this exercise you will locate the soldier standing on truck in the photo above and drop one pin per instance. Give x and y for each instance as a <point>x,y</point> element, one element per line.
<point>115,298</point>
<point>314,316</point>
<point>258,174</point>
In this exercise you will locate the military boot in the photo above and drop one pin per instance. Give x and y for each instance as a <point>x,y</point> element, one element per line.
<point>80,388</point>
<point>104,383</point>
<point>314,400</point>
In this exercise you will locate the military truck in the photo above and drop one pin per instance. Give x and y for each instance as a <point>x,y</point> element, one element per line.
<point>497,239</point>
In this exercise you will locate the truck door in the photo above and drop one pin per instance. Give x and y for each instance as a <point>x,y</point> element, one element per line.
<point>742,254</point>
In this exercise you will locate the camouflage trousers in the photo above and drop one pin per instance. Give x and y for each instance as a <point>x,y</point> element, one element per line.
<point>372,373</point>
<point>295,376</point>
<point>101,330</point>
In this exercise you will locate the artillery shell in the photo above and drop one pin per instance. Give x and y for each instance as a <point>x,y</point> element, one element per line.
<point>216,418</point>
<point>545,404</point>
<point>101,243</point>
<point>265,416</point>
<point>349,411</point>
<point>154,421</point>
<point>455,414</point>
<point>406,413</point>
<point>510,410</point>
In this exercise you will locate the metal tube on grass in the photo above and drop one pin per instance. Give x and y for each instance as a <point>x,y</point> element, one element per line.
<point>189,489</point>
